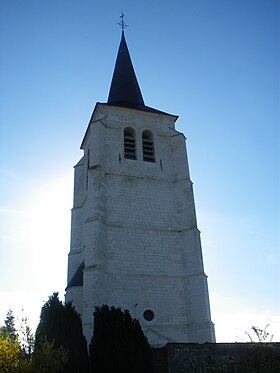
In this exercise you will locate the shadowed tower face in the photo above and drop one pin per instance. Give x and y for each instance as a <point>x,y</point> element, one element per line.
<point>134,238</point>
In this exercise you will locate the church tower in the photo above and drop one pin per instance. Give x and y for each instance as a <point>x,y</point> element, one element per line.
<point>134,239</point>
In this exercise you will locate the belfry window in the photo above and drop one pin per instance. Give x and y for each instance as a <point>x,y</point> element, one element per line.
<point>148,146</point>
<point>129,143</point>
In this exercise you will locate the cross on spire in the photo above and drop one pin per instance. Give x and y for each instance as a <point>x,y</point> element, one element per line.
<point>122,24</point>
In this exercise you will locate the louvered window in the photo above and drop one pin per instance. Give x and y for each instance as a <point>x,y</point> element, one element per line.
<point>129,144</point>
<point>148,146</point>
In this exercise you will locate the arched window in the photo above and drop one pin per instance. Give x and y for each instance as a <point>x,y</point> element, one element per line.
<point>129,143</point>
<point>148,146</point>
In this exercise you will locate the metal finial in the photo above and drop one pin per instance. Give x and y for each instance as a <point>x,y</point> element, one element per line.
<point>122,24</point>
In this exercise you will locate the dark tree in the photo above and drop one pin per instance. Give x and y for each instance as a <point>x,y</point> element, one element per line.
<point>9,329</point>
<point>118,343</point>
<point>61,324</point>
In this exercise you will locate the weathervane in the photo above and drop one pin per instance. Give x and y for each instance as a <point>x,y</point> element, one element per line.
<point>122,24</point>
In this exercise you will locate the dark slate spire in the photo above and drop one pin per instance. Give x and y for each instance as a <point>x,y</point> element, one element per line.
<point>125,90</point>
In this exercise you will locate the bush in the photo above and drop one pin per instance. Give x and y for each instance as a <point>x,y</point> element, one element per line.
<point>11,359</point>
<point>61,326</point>
<point>118,343</point>
<point>48,359</point>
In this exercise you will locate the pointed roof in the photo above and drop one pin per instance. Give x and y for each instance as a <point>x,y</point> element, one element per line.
<point>125,90</point>
<point>77,279</point>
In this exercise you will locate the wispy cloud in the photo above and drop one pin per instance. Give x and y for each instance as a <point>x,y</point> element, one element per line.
<point>272,259</point>
<point>11,211</point>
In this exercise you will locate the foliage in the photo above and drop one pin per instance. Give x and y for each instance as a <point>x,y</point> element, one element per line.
<point>11,359</point>
<point>61,324</point>
<point>261,354</point>
<point>16,349</point>
<point>262,334</point>
<point>49,359</point>
<point>118,343</point>
<point>9,328</point>
<point>260,359</point>
<point>26,337</point>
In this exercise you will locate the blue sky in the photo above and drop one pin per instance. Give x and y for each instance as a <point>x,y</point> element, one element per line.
<point>213,63</point>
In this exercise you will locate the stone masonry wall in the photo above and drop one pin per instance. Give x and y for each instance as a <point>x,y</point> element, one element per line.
<point>134,225</point>
<point>217,357</point>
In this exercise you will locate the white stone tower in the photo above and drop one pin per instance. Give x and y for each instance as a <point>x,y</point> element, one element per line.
<point>134,241</point>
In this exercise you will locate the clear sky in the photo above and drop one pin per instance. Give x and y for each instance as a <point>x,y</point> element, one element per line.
<point>216,65</point>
